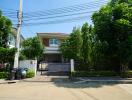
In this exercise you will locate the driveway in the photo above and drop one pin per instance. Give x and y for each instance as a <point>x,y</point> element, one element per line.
<point>61,90</point>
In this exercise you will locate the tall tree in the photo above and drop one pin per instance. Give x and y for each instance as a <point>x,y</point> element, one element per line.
<point>5,29</point>
<point>71,47</point>
<point>85,42</point>
<point>113,25</point>
<point>32,48</point>
<point>88,43</point>
<point>6,54</point>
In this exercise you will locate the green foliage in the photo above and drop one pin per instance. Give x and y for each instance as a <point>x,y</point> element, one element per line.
<point>71,47</point>
<point>106,46</point>
<point>127,74</point>
<point>22,56</point>
<point>7,54</point>
<point>113,25</point>
<point>30,74</point>
<point>5,29</point>
<point>85,43</point>
<point>88,44</point>
<point>32,48</point>
<point>93,73</point>
<point>121,1</point>
<point>3,75</point>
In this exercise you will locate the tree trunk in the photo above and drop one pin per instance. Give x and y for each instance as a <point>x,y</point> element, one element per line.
<point>124,68</point>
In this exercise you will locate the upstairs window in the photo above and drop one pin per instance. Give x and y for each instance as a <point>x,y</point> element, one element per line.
<point>54,42</point>
<point>11,40</point>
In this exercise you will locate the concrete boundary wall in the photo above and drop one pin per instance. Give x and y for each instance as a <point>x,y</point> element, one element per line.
<point>30,64</point>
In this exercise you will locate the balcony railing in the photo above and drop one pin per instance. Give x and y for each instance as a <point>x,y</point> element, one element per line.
<point>51,50</point>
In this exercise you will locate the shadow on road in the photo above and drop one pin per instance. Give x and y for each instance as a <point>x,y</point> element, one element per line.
<point>68,83</point>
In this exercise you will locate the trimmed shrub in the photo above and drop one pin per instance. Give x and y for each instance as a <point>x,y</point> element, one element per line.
<point>3,75</point>
<point>7,54</point>
<point>30,74</point>
<point>93,73</point>
<point>127,74</point>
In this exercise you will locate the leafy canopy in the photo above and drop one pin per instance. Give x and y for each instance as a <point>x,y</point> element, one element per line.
<point>71,47</point>
<point>32,48</point>
<point>113,25</point>
<point>6,54</point>
<point>5,29</point>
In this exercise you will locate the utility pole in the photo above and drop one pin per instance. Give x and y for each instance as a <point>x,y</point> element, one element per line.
<point>16,59</point>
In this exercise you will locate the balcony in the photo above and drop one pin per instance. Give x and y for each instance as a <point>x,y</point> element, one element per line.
<point>51,50</point>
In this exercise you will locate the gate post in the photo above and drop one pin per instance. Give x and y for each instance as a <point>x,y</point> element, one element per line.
<point>72,65</point>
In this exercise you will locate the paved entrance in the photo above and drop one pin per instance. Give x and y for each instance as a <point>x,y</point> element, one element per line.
<point>45,78</point>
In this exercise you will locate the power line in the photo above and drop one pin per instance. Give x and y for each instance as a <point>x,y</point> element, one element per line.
<point>64,15</point>
<point>60,16</point>
<point>67,7</point>
<point>9,10</point>
<point>11,16</point>
<point>55,11</point>
<point>62,10</point>
<point>57,21</point>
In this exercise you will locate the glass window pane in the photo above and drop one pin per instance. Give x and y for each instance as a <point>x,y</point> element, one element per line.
<point>55,41</point>
<point>51,41</point>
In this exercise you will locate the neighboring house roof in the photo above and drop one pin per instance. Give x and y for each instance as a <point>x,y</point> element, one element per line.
<point>49,35</point>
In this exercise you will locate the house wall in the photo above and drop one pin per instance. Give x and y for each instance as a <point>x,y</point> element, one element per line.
<point>46,41</point>
<point>53,58</point>
<point>11,40</point>
<point>51,51</point>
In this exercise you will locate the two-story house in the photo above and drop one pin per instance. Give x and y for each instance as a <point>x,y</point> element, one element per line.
<point>12,38</point>
<point>52,41</point>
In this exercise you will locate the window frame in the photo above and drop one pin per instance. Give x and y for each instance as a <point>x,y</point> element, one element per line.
<point>54,42</point>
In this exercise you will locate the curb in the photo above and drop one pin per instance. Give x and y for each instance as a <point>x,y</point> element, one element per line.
<point>105,80</point>
<point>8,82</point>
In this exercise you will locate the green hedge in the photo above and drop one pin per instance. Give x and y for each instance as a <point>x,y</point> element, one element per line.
<point>93,73</point>
<point>127,74</point>
<point>7,54</point>
<point>30,74</point>
<point>3,75</point>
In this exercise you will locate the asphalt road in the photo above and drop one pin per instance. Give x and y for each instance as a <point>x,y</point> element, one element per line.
<point>65,91</point>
